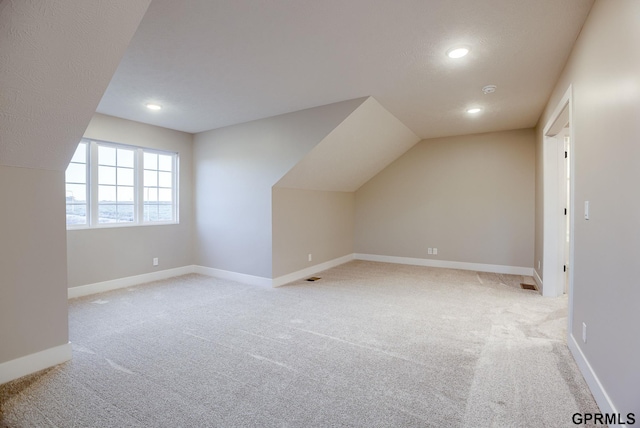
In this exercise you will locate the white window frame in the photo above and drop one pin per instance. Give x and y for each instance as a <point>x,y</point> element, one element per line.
<point>140,189</point>
<point>87,189</point>
<point>138,200</point>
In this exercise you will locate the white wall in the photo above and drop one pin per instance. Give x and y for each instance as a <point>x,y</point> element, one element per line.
<point>472,197</point>
<point>103,254</point>
<point>604,73</point>
<point>234,170</point>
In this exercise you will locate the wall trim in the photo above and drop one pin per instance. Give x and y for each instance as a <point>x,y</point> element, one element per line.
<point>479,267</point>
<point>294,276</point>
<point>597,390</point>
<point>35,362</point>
<point>129,281</point>
<point>233,276</point>
<point>538,280</point>
<point>554,183</point>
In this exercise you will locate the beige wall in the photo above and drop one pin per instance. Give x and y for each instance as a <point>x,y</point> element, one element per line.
<point>310,222</point>
<point>51,85</point>
<point>102,254</point>
<point>472,197</point>
<point>33,300</point>
<point>235,168</point>
<point>604,71</point>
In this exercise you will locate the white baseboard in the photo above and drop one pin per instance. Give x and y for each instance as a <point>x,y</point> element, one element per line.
<point>303,273</point>
<point>233,276</point>
<point>597,390</point>
<point>538,280</point>
<point>129,281</point>
<point>268,282</point>
<point>32,363</point>
<point>479,267</point>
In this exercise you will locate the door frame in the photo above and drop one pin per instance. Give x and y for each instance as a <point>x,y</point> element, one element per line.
<point>554,202</point>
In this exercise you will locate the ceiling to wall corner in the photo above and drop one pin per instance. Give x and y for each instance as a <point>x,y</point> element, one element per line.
<point>368,140</point>
<point>212,64</point>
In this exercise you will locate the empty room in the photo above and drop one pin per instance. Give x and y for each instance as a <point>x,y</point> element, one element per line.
<point>367,213</point>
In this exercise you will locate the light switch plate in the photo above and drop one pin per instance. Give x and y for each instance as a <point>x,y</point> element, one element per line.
<point>586,210</point>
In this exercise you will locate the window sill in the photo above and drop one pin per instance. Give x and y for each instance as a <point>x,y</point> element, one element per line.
<point>119,225</point>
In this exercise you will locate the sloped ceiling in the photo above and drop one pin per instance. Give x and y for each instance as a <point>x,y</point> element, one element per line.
<point>368,140</point>
<point>56,60</point>
<point>216,63</point>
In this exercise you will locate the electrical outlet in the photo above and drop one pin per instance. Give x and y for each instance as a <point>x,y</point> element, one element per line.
<point>429,250</point>
<point>155,261</point>
<point>435,251</point>
<point>584,332</point>
<point>310,257</point>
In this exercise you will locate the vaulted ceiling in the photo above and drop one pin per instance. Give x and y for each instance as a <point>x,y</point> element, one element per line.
<point>56,59</point>
<point>365,142</point>
<point>217,63</point>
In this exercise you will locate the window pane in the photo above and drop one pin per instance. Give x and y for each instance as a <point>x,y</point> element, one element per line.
<point>125,194</point>
<point>81,153</point>
<point>106,175</point>
<point>164,179</point>
<point>150,161</point>
<point>164,195</point>
<point>165,212</point>
<point>76,173</point>
<point>76,188</point>
<point>125,213</point>
<point>107,213</point>
<point>150,194</point>
<point>106,155</point>
<point>165,162</point>
<point>125,176</point>
<point>106,193</point>
<point>76,193</point>
<point>76,214</point>
<point>150,212</point>
<point>150,178</point>
<point>125,157</point>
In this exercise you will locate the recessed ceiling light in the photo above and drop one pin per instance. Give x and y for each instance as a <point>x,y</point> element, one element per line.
<point>152,106</point>
<point>474,110</point>
<point>457,52</point>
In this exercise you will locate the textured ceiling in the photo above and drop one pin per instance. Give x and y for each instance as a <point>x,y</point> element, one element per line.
<point>56,59</point>
<point>217,63</point>
<point>368,140</point>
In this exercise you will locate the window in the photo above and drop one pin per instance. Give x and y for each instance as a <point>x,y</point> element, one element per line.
<point>76,187</point>
<point>158,187</point>
<point>111,184</point>
<point>116,176</point>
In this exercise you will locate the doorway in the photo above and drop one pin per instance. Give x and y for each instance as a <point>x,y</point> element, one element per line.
<point>558,152</point>
<point>566,135</point>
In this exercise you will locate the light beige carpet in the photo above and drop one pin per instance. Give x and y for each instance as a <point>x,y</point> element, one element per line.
<point>368,345</point>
